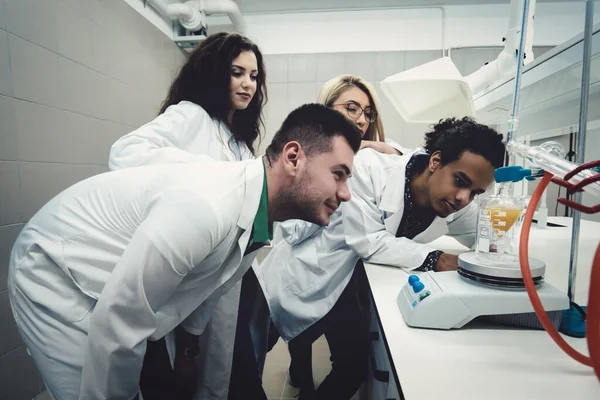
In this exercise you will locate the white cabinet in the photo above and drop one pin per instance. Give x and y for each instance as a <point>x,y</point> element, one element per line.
<point>381,383</point>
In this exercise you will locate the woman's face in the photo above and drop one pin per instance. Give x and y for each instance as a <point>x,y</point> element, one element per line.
<point>348,104</point>
<point>242,86</point>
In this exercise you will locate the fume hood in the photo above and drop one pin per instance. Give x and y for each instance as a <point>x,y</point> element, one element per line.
<point>550,82</point>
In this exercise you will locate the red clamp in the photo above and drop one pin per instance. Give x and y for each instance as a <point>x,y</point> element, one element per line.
<point>572,188</point>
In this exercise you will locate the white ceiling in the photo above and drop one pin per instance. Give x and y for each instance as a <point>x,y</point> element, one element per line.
<point>267,6</point>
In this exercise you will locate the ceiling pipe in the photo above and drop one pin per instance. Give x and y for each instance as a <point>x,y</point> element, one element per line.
<point>189,17</point>
<point>228,7</point>
<point>191,14</point>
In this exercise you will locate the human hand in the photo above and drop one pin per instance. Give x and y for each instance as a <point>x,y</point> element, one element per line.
<point>447,262</point>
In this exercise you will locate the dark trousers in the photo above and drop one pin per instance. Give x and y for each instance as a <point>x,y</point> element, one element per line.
<point>246,381</point>
<point>346,328</point>
<point>157,380</point>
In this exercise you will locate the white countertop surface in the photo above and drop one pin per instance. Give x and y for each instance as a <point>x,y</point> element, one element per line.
<point>485,362</point>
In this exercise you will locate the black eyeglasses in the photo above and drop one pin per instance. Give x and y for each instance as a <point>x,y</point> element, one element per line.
<point>355,111</point>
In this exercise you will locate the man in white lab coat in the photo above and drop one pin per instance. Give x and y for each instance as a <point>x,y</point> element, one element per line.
<point>398,205</point>
<point>124,257</point>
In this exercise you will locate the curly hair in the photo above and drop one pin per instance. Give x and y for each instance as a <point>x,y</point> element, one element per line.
<point>453,136</point>
<point>205,77</point>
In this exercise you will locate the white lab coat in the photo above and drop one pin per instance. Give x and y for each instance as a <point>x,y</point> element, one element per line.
<point>305,274</point>
<point>127,256</point>
<point>183,133</point>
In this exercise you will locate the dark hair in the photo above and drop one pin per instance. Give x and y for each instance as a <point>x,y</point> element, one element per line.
<point>205,77</point>
<point>452,137</point>
<point>314,126</point>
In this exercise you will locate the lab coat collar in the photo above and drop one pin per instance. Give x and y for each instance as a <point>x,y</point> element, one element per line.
<point>225,138</point>
<point>392,198</point>
<point>254,175</point>
<point>262,228</point>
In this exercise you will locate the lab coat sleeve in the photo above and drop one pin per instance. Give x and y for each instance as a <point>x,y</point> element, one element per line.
<point>199,318</point>
<point>162,139</point>
<point>296,231</point>
<point>463,227</point>
<point>365,231</point>
<point>401,149</point>
<point>173,238</point>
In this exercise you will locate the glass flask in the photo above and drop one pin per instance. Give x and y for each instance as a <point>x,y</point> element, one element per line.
<point>498,226</point>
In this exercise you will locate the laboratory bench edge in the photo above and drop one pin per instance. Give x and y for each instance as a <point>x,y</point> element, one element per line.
<point>479,361</point>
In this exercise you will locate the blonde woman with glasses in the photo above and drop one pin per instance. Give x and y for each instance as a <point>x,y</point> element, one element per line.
<point>355,98</point>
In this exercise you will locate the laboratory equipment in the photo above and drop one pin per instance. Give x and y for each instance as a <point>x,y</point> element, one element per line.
<point>490,279</point>
<point>445,300</point>
<point>489,282</point>
<point>495,261</point>
<point>489,272</point>
<point>593,312</point>
<point>542,157</point>
<point>507,287</point>
<point>495,222</point>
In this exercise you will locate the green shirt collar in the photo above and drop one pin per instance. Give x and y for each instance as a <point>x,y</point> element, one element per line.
<point>263,229</point>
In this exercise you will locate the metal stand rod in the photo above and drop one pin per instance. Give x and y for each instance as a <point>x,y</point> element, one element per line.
<point>519,74</point>
<point>583,111</point>
<point>513,119</point>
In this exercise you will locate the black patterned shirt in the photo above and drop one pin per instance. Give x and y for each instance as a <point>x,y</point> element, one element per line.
<point>416,219</point>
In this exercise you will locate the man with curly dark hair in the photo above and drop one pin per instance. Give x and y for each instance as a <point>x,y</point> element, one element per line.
<point>398,206</point>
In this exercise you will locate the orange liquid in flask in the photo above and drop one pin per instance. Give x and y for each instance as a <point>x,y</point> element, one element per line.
<point>503,219</point>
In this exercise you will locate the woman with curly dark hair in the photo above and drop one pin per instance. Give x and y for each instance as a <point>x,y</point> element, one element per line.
<point>213,108</point>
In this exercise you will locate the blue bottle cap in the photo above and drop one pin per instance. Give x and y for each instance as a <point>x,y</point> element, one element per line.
<point>412,279</point>
<point>418,286</point>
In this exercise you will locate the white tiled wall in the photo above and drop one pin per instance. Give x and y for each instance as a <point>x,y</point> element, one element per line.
<point>5,83</point>
<point>8,138</point>
<point>3,17</point>
<point>74,76</point>
<point>10,201</point>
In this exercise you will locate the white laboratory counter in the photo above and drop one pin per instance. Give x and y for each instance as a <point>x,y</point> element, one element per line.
<point>485,362</point>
